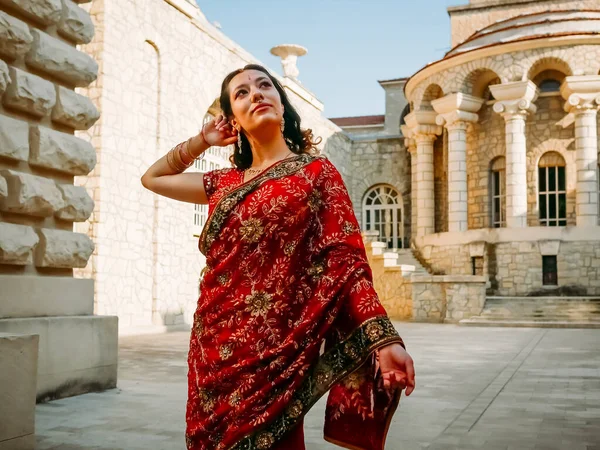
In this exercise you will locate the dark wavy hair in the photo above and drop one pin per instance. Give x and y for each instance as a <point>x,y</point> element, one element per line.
<point>298,140</point>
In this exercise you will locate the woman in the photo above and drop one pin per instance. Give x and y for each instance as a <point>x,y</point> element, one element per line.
<point>287,309</point>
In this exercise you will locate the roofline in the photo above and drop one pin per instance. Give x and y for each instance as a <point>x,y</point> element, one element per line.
<point>481,33</point>
<point>490,4</point>
<point>393,81</point>
<point>468,55</point>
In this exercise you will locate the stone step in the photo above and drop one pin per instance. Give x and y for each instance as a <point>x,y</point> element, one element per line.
<point>538,311</point>
<point>531,323</point>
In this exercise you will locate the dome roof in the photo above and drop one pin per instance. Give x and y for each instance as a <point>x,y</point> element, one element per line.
<point>531,26</point>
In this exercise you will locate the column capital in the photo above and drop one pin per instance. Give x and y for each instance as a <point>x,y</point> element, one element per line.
<point>456,110</point>
<point>409,142</point>
<point>515,99</point>
<point>582,93</point>
<point>422,125</point>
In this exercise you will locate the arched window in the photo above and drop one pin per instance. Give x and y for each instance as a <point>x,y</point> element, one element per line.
<point>549,85</point>
<point>498,192</point>
<point>552,190</point>
<point>549,80</point>
<point>382,211</point>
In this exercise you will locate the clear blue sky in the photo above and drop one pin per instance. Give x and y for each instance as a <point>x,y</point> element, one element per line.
<point>351,43</point>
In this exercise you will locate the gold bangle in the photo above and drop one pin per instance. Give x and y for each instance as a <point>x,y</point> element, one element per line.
<point>174,163</point>
<point>178,161</point>
<point>185,151</point>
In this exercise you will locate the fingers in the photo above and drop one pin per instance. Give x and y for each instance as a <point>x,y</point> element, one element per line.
<point>230,140</point>
<point>410,373</point>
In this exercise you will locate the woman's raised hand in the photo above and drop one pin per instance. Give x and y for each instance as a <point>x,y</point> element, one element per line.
<point>219,133</point>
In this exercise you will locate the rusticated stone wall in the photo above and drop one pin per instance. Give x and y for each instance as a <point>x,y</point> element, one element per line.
<point>40,110</point>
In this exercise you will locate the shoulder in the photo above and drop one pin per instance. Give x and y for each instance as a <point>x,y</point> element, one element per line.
<point>217,178</point>
<point>325,169</point>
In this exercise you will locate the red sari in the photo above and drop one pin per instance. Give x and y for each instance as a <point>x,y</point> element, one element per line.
<point>287,312</point>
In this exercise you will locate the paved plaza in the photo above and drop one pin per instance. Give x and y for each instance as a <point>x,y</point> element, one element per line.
<point>489,388</point>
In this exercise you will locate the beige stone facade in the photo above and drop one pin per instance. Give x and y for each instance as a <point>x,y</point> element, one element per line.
<point>42,305</point>
<point>162,64</point>
<point>501,141</point>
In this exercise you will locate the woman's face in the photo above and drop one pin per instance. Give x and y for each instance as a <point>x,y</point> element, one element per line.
<point>254,100</point>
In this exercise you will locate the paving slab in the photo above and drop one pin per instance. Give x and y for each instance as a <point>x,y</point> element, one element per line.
<point>491,388</point>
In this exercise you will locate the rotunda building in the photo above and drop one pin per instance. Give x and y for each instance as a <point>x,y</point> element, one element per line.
<point>503,140</point>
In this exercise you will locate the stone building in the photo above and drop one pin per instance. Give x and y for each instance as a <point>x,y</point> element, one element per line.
<point>501,143</point>
<point>161,67</point>
<point>47,322</point>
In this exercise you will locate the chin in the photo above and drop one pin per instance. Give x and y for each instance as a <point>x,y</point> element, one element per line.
<point>266,120</point>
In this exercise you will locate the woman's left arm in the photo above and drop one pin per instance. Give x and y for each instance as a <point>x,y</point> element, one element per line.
<point>340,233</point>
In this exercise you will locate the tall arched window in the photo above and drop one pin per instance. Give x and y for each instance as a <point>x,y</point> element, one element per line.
<point>498,192</point>
<point>382,211</point>
<point>552,190</point>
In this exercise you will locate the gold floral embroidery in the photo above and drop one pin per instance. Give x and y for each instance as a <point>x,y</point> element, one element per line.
<point>198,327</point>
<point>314,200</point>
<point>289,248</point>
<point>348,227</point>
<point>350,350</point>
<point>333,366</point>
<point>206,400</point>
<point>223,278</point>
<point>265,440</point>
<point>295,409</point>
<point>235,398</point>
<point>223,207</point>
<point>374,331</point>
<point>316,269</point>
<point>259,303</point>
<point>354,380</point>
<point>188,441</point>
<point>251,230</point>
<point>323,377</point>
<point>225,351</point>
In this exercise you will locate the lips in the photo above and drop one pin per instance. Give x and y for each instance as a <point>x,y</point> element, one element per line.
<point>261,106</point>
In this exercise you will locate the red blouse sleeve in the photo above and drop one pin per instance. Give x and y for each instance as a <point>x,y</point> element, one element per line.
<point>210,181</point>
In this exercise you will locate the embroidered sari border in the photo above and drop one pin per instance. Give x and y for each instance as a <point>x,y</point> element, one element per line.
<point>335,364</point>
<point>226,204</point>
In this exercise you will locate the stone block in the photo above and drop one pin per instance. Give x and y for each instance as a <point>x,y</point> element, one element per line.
<point>46,12</point>
<point>35,296</point>
<point>77,354</point>
<point>74,110</point>
<point>78,204</point>
<point>31,195</point>
<point>18,382</point>
<point>17,243</point>
<point>58,59</point>
<point>63,249</point>
<point>61,151</point>
<point>76,24</point>
<point>4,77</point>
<point>14,138</point>
<point>3,189</point>
<point>29,93</point>
<point>549,248</point>
<point>15,38</point>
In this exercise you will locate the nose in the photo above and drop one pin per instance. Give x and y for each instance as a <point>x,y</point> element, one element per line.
<point>257,96</point>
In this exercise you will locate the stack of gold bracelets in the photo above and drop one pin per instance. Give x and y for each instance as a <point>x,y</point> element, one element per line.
<point>179,157</point>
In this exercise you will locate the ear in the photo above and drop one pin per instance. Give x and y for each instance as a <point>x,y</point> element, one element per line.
<point>234,124</point>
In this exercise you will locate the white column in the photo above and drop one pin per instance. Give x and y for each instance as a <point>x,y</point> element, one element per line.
<point>425,184</point>
<point>411,146</point>
<point>515,102</point>
<point>456,111</point>
<point>424,132</point>
<point>583,98</point>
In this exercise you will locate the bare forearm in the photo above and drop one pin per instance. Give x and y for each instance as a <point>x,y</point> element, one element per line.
<point>161,167</point>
